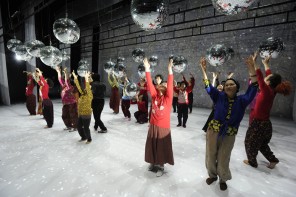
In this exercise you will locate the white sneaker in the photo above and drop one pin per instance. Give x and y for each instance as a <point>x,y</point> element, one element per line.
<point>150,167</point>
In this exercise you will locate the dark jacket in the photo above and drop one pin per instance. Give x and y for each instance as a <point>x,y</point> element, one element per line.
<point>98,90</point>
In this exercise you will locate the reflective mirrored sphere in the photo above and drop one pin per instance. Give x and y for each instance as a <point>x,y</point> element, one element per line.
<point>22,53</point>
<point>179,64</point>
<point>141,71</point>
<point>65,55</point>
<point>149,14</point>
<point>218,54</point>
<point>109,66</point>
<point>120,60</point>
<point>153,60</point>
<point>34,47</point>
<point>271,47</point>
<point>66,31</point>
<point>232,7</point>
<point>119,70</point>
<point>83,67</point>
<point>50,56</point>
<point>138,55</point>
<point>131,89</point>
<point>13,43</point>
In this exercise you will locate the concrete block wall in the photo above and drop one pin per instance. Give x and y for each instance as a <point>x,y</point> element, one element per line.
<point>192,27</point>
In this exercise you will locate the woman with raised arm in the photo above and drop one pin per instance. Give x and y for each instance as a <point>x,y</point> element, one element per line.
<point>158,150</point>
<point>229,111</point>
<point>114,97</point>
<point>259,132</point>
<point>84,108</point>
<point>31,98</point>
<point>69,111</point>
<point>47,106</point>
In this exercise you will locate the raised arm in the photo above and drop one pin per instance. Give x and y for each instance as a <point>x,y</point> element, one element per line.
<point>252,66</point>
<point>58,69</point>
<point>265,62</point>
<point>76,82</point>
<point>150,85</point>
<point>170,81</point>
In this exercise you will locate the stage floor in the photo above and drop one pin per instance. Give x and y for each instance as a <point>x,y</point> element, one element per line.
<point>51,162</point>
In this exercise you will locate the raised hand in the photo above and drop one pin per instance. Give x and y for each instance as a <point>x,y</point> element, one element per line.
<point>170,66</point>
<point>203,64</point>
<point>74,75</point>
<point>266,60</point>
<point>146,64</point>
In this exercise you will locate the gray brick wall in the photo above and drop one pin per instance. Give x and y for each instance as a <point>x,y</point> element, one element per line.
<point>193,26</point>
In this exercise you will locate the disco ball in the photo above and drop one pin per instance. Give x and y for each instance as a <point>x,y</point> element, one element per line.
<point>271,47</point>
<point>65,55</point>
<point>232,7</point>
<point>13,43</point>
<point>131,89</point>
<point>109,66</point>
<point>120,60</point>
<point>66,31</point>
<point>34,47</point>
<point>22,53</point>
<point>138,55</point>
<point>119,70</point>
<point>149,15</point>
<point>218,54</point>
<point>141,71</point>
<point>179,64</point>
<point>50,56</point>
<point>153,61</point>
<point>83,67</point>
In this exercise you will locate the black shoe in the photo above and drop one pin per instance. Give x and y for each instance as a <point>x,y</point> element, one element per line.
<point>184,125</point>
<point>88,141</point>
<point>223,186</point>
<point>178,125</point>
<point>96,128</point>
<point>103,131</point>
<point>211,180</point>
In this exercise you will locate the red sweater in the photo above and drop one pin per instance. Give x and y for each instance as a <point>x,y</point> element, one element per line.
<point>44,88</point>
<point>264,98</point>
<point>161,105</point>
<point>30,85</point>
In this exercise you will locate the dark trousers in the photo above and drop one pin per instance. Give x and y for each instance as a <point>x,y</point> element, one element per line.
<point>70,115</point>
<point>190,101</point>
<point>125,105</point>
<point>47,109</point>
<point>98,106</point>
<point>141,117</point>
<point>31,104</point>
<point>175,103</point>
<point>182,113</point>
<point>257,139</point>
<point>114,100</point>
<point>83,127</point>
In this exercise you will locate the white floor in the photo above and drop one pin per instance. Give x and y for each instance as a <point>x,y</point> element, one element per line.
<point>51,162</point>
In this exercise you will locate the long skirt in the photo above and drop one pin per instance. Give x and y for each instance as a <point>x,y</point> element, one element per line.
<point>114,100</point>
<point>31,104</point>
<point>158,148</point>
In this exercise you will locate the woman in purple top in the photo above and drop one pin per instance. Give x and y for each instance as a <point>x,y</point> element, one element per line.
<point>69,111</point>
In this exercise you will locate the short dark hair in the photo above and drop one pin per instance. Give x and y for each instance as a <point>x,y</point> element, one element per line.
<point>96,77</point>
<point>236,83</point>
<point>160,76</point>
<point>275,79</point>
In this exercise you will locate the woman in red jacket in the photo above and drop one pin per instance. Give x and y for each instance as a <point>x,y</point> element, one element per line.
<point>158,150</point>
<point>47,106</point>
<point>259,132</point>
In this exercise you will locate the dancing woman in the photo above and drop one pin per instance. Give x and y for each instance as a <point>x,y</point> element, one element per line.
<point>158,150</point>
<point>222,130</point>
